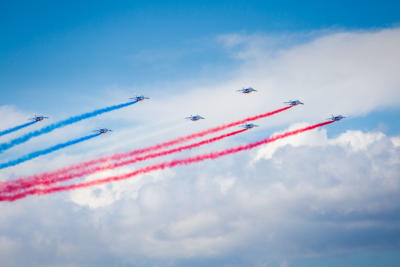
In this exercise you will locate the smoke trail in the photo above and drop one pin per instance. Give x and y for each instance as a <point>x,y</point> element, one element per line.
<point>178,140</point>
<point>161,166</point>
<point>18,185</point>
<point>16,128</point>
<point>192,136</point>
<point>60,124</point>
<point>45,151</point>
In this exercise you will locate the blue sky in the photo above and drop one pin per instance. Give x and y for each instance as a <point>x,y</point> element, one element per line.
<point>56,46</point>
<point>63,58</point>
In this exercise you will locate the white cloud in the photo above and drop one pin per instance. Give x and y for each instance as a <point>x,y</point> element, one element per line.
<point>358,140</point>
<point>350,73</point>
<point>355,140</point>
<point>13,117</point>
<point>8,249</point>
<point>316,198</point>
<point>396,141</point>
<point>225,183</point>
<point>194,225</point>
<point>313,138</point>
<point>106,194</point>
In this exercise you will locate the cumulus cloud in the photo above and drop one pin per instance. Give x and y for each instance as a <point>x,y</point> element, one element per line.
<point>354,140</point>
<point>307,200</point>
<point>396,141</point>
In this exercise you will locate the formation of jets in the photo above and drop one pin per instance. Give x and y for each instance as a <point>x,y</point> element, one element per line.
<point>38,118</point>
<point>251,125</point>
<point>198,117</point>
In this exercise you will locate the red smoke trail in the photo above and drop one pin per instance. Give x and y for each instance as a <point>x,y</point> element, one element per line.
<point>161,166</point>
<point>77,167</point>
<point>20,186</point>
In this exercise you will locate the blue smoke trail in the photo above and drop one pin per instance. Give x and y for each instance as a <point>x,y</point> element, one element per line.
<point>60,124</point>
<point>45,151</point>
<point>16,128</point>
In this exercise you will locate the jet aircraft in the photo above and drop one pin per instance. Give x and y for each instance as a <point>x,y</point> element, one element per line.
<point>336,118</point>
<point>194,117</point>
<point>38,118</point>
<point>247,90</point>
<point>103,130</point>
<point>139,98</point>
<point>294,102</point>
<point>249,125</point>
